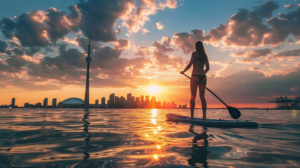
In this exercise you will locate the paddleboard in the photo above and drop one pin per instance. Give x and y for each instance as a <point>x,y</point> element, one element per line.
<point>211,122</point>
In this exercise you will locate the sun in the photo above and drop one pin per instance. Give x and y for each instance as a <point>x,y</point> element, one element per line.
<point>153,89</point>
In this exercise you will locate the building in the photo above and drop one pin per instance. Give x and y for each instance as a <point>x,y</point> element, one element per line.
<point>72,102</point>
<point>96,103</point>
<point>54,103</point>
<point>13,102</point>
<point>45,105</point>
<point>38,105</point>
<point>103,102</point>
<point>147,102</point>
<point>117,102</point>
<point>111,100</point>
<point>129,96</point>
<point>286,103</point>
<point>122,102</point>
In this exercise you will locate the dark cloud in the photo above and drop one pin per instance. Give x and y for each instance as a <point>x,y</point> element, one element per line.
<point>13,64</point>
<point>186,41</point>
<point>31,51</point>
<point>7,26</point>
<point>84,42</point>
<point>14,44</point>
<point>289,53</point>
<point>99,17</point>
<point>254,68</point>
<point>254,53</point>
<point>18,51</point>
<point>30,30</point>
<point>163,45</point>
<point>165,61</point>
<point>122,43</point>
<point>3,46</point>
<point>59,23</point>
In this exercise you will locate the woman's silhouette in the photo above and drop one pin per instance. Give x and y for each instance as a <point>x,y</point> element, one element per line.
<point>198,60</point>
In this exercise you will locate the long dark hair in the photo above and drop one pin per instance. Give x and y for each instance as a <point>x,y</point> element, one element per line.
<point>200,51</point>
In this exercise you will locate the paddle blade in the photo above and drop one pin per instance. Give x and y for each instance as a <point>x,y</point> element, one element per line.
<point>235,113</point>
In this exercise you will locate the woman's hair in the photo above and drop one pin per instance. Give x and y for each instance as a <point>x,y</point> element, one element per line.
<point>201,51</point>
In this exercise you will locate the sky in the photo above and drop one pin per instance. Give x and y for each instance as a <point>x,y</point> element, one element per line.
<point>252,47</point>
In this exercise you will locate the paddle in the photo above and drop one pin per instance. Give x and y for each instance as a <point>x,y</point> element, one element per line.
<point>235,113</point>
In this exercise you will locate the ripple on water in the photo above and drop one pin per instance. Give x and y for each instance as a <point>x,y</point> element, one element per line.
<point>72,138</point>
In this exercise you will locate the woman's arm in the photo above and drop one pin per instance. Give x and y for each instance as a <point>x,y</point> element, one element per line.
<point>206,65</point>
<point>189,65</point>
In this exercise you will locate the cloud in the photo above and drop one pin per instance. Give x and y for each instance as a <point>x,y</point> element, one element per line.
<point>289,53</point>
<point>30,29</point>
<point>60,24</point>
<point>159,26</point>
<point>7,25</point>
<point>289,6</point>
<point>18,51</point>
<point>186,41</point>
<point>99,17</point>
<point>254,68</point>
<point>253,53</point>
<point>163,45</point>
<point>3,46</point>
<point>143,51</point>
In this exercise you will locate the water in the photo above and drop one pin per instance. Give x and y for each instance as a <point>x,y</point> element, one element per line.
<point>71,138</point>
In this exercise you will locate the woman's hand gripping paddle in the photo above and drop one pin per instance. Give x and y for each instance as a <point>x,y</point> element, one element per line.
<point>234,113</point>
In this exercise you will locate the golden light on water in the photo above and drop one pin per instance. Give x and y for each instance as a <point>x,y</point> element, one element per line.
<point>294,113</point>
<point>159,127</point>
<point>155,156</point>
<point>153,121</point>
<point>158,147</point>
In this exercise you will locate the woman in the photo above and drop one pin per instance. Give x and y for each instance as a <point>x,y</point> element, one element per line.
<point>198,60</point>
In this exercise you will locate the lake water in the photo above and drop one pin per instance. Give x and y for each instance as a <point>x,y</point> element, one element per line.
<point>71,138</point>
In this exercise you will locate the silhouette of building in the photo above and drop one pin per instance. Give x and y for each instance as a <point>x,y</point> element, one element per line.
<point>96,103</point>
<point>13,102</point>
<point>129,96</point>
<point>54,103</point>
<point>38,105</point>
<point>111,100</point>
<point>72,102</point>
<point>45,105</point>
<point>147,102</point>
<point>286,103</point>
<point>117,102</point>
<point>103,102</point>
<point>122,102</point>
<point>88,59</point>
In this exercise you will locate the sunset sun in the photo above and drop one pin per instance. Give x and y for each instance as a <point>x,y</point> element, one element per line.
<point>153,89</point>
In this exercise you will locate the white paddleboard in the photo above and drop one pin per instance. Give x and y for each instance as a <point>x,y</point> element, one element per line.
<point>211,122</point>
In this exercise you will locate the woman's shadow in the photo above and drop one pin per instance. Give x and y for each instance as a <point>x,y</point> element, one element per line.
<point>200,153</point>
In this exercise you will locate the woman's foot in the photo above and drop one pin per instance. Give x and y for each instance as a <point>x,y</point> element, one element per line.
<point>203,118</point>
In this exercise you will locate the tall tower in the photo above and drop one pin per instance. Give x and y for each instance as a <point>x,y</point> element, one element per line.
<point>87,84</point>
<point>45,105</point>
<point>54,103</point>
<point>13,102</point>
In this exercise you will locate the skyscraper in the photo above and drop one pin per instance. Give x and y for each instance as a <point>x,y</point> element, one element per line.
<point>54,103</point>
<point>103,102</point>
<point>122,102</point>
<point>111,100</point>
<point>87,84</point>
<point>147,102</point>
<point>13,102</point>
<point>117,102</point>
<point>137,102</point>
<point>129,96</point>
<point>45,105</point>
<point>96,103</point>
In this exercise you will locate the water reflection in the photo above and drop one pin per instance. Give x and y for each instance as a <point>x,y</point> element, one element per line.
<point>130,138</point>
<point>87,139</point>
<point>200,153</point>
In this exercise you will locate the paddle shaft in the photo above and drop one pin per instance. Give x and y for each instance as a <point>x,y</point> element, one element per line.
<point>210,92</point>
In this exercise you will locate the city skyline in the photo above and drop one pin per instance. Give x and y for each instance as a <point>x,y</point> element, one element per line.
<point>253,49</point>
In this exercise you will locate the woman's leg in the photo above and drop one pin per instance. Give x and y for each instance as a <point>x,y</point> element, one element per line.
<point>193,86</point>
<point>202,86</point>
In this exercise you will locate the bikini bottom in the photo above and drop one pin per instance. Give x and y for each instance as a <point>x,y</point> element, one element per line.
<point>201,77</point>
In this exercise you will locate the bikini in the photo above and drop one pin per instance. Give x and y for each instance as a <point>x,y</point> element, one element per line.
<point>201,77</point>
